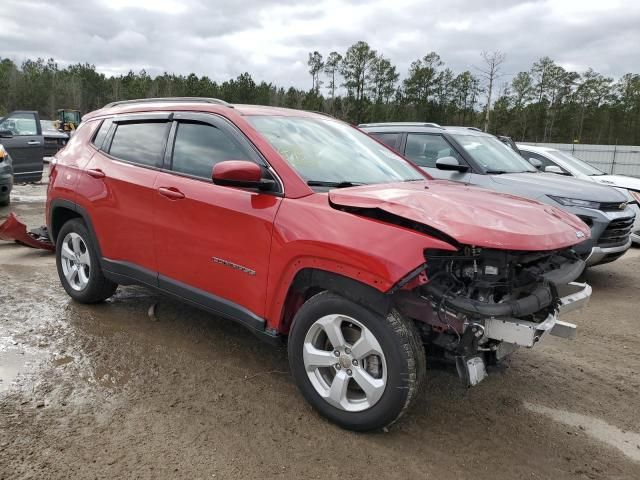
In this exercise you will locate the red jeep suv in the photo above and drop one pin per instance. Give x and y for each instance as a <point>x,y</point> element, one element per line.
<point>304,228</point>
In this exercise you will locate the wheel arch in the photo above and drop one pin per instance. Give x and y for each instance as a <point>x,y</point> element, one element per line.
<point>309,281</point>
<point>61,211</point>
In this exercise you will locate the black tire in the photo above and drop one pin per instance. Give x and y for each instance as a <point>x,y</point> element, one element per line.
<point>98,288</point>
<point>402,348</point>
<point>5,201</point>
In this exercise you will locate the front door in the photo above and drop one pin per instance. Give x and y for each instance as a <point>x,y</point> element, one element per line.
<point>212,242</point>
<point>21,135</point>
<point>425,149</point>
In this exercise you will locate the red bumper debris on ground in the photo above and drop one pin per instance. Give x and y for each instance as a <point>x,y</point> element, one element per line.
<point>14,229</point>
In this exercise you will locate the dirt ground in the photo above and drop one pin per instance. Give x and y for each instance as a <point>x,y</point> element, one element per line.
<point>109,391</point>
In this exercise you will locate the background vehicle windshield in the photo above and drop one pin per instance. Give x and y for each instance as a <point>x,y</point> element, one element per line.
<point>574,163</point>
<point>326,150</point>
<point>47,125</point>
<point>493,155</point>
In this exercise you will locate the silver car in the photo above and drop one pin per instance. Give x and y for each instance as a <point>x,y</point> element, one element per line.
<point>470,156</point>
<point>552,160</point>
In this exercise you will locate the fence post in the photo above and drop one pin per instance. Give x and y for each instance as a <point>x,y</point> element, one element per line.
<point>613,161</point>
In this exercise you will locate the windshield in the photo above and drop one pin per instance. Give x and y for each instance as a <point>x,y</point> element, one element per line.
<point>47,125</point>
<point>325,150</point>
<point>493,155</point>
<point>574,163</point>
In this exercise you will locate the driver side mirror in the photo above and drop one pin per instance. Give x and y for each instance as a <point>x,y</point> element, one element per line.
<point>535,162</point>
<point>240,173</point>
<point>554,169</point>
<point>6,134</point>
<point>450,164</point>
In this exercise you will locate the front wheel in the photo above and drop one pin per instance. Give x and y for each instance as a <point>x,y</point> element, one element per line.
<point>359,369</point>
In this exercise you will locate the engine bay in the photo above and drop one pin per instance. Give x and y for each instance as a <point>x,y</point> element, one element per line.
<point>478,305</point>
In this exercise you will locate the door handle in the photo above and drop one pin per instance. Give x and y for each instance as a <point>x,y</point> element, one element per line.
<point>96,173</point>
<point>171,193</point>
<point>33,142</point>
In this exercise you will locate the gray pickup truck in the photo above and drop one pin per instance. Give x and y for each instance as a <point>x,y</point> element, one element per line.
<point>21,135</point>
<point>470,156</point>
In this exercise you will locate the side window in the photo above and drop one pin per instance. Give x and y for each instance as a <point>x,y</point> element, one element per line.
<point>424,150</point>
<point>20,124</point>
<point>389,139</point>
<point>140,142</point>
<point>101,134</point>
<point>198,147</point>
<point>546,162</point>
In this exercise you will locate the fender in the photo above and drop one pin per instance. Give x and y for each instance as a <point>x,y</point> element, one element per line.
<point>311,235</point>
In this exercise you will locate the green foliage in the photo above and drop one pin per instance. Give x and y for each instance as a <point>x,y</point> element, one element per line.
<point>547,103</point>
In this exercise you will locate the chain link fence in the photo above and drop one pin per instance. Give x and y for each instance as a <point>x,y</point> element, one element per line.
<point>613,159</point>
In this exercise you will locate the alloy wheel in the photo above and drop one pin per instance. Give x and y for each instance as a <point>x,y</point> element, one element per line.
<point>76,261</point>
<point>345,363</point>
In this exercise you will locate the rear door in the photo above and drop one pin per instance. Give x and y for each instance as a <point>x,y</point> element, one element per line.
<point>424,149</point>
<point>212,242</point>
<point>21,135</point>
<point>119,182</point>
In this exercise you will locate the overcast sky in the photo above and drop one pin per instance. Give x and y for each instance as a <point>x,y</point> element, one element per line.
<point>271,38</point>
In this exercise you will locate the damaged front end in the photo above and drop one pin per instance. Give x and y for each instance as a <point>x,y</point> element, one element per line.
<point>477,305</point>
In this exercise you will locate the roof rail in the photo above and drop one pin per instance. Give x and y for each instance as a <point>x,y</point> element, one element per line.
<point>322,113</point>
<point>401,124</point>
<point>464,127</point>
<point>216,101</point>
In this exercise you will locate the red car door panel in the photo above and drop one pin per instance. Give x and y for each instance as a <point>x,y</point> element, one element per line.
<point>122,203</point>
<point>121,191</point>
<point>213,238</point>
<point>216,239</point>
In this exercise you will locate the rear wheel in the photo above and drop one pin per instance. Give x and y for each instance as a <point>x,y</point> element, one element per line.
<point>79,266</point>
<point>4,201</point>
<point>359,369</point>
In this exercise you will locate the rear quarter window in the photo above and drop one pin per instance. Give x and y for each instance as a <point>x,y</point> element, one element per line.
<point>101,134</point>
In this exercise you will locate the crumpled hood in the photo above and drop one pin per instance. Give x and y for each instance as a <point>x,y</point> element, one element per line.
<point>470,215</point>
<point>540,184</point>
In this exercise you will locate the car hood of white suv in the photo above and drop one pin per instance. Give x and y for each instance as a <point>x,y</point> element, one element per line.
<point>631,183</point>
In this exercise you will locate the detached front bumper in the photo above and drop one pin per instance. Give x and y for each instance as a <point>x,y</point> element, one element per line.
<point>13,229</point>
